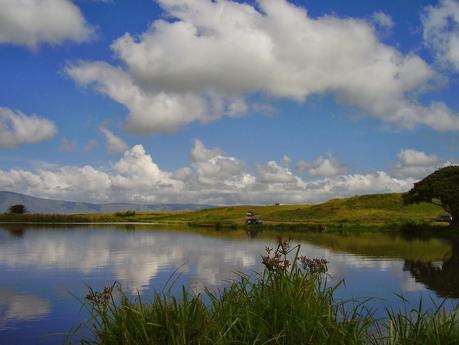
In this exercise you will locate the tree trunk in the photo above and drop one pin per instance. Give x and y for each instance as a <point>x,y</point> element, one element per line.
<point>454,218</point>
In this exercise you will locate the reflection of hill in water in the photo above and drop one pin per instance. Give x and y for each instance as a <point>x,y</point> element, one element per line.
<point>371,245</point>
<point>382,246</point>
<point>443,278</point>
<point>432,262</point>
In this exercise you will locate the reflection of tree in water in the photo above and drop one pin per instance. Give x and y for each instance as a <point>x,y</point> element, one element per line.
<point>129,227</point>
<point>14,229</point>
<point>441,278</point>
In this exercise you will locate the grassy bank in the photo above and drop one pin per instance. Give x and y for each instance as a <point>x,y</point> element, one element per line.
<point>379,211</point>
<point>288,303</point>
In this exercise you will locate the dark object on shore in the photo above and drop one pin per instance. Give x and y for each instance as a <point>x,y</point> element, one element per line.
<point>440,188</point>
<point>252,219</point>
<point>125,214</point>
<point>443,218</point>
<point>17,209</point>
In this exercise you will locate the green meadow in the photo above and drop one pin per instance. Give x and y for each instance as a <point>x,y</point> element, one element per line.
<point>378,210</point>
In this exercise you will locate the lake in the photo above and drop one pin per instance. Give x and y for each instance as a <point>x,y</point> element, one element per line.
<point>46,270</point>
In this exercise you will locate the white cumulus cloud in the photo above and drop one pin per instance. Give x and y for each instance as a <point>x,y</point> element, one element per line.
<point>383,19</point>
<point>322,166</point>
<point>213,169</point>
<point>415,163</point>
<point>212,177</point>
<point>114,143</point>
<point>134,177</point>
<point>205,59</point>
<point>273,173</point>
<point>17,128</point>
<point>151,110</point>
<point>138,170</point>
<point>32,22</point>
<point>413,157</point>
<point>418,164</point>
<point>441,31</point>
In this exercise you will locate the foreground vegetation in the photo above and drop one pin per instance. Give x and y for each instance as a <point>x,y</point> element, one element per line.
<point>289,303</point>
<point>369,211</point>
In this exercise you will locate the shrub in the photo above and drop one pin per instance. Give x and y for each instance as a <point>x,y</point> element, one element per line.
<point>17,209</point>
<point>125,214</point>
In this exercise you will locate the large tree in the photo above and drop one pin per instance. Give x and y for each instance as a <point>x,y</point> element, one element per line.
<point>17,209</point>
<point>440,188</point>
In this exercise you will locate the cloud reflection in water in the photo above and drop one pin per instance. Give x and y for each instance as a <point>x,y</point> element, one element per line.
<point>136,258</point>
<point>21,307</point>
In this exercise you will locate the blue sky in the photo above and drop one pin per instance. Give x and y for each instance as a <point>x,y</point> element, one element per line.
<point>227,102</point>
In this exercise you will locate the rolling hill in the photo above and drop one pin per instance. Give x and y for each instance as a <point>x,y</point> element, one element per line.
<point>365,209</point>
<point>39,205</point>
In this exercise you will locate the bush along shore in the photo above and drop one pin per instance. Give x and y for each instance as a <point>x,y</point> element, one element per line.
<point>288,303</point>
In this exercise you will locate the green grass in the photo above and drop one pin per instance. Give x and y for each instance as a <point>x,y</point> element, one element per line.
<point>360,211</point>
<point>367,209</point>
<point>419,327</point>
<point>288,303</point>
<point>375,209</point>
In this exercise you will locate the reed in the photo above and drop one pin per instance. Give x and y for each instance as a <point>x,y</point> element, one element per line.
<point>419,327</point>
<point>288,303</point>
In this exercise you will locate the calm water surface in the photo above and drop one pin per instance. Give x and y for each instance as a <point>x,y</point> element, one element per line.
<point>45,270</point>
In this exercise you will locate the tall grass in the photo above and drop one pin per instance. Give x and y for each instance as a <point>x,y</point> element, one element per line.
<point>288,303</point>
<point>418,327</point>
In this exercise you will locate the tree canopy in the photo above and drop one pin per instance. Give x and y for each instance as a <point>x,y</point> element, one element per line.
<point>439,188</point>
<point>17,209</point>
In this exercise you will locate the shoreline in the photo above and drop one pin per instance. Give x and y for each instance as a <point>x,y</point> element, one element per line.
<point>331,228</point>
<point>378,212</point>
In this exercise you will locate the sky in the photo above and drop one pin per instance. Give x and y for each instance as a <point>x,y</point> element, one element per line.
<point>225,102</point>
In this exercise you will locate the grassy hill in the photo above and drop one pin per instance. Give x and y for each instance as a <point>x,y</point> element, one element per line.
<point>367,210</point>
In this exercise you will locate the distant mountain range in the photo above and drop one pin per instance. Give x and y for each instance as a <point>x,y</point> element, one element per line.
<point>39,205</point>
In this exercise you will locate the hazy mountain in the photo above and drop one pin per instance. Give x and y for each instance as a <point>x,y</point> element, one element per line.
<point>39,205</point>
